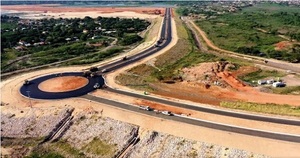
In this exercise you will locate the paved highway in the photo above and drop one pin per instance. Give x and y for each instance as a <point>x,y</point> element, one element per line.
<point>198,122</point>
<point>210,110</point>
<point>166,30</point>
<point>166,33</point>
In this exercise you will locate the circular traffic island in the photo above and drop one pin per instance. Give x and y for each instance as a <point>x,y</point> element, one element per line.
<point>60,86</point>
<point>63,84</point>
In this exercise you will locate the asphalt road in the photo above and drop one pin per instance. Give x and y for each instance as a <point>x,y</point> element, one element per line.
<point>33,91</point>
<point>166,32</point>
<point>209,110</point>
<point>213,125</point>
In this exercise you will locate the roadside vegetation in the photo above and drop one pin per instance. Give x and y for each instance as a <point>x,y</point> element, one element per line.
<point>294,90</point>
<point>253,30</point>
<point>263,108</point>
<point>261,74</point>
<point>29,43</point>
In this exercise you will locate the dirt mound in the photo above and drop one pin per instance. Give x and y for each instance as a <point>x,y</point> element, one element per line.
<point>206,73</point>
<point>283,45</point>
<point>63,84</point>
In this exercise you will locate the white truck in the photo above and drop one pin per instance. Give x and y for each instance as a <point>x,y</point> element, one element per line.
<point>145,108</point>
<point>167,113</point>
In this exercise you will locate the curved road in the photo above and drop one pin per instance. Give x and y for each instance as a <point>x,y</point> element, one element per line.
<point>32,90</point>
<point>166,33</point>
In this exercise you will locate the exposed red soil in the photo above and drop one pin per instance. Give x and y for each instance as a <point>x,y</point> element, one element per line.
<point>234,90</point>
<point>162,107</point>
<point>282,45</point>
<point>58,9</point>
<point>63,84</point>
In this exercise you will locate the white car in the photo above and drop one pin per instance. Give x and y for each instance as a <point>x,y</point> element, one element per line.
<point>166,113</point>
<point>145,108</point>
<point>96,86</point>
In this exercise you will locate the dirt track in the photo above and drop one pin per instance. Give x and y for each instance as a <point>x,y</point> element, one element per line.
<point>211,45</point>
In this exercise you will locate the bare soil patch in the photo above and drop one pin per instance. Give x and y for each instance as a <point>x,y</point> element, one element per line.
<point>58,9</point>
<point>63,84</point>
<point>212,83</point>
<point>162,107</point>
<point>46,11</point>
<point>283,45</point>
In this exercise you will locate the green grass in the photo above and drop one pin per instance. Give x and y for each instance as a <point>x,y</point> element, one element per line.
<point>46,155</point>
<point>8,25</point>
<point>263,108</point>
<point>287,90</point>
<point>261,74</point>
<point>95,57</point>
<point>100,148</point>
<point>238,31</point>
<point>65,147</point>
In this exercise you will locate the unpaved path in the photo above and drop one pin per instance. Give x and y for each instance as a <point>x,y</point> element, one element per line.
<point>285,65</point>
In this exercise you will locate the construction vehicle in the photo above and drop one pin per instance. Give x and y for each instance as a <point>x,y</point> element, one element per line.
<point>26,82</point>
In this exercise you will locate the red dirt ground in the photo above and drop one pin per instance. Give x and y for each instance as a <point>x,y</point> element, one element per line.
<point>63,84</point>
<point>162,107</point>
<point>235,91</point>
<point>58,9</point>
<point>282,45</point>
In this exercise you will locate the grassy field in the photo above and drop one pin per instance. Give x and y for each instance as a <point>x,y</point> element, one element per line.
<point>261,74</point>
<point>100,148</point>
<point>263,108</point>
<point>287,90</point>
<point>255,30</point>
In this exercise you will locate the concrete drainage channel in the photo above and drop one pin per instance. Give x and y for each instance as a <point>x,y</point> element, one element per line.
<point>133,140</point>
<point>60,128</point>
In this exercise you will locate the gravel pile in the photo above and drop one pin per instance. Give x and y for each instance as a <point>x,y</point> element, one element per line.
<point>30,125</point>
<point>164,145</point>
<point>86,127</point>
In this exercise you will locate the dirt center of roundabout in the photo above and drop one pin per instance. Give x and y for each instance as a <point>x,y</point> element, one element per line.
<point>63,84</point>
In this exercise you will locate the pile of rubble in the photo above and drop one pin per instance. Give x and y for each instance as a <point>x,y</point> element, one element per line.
<point>31,124</point>
<point>155,144</point>
<point>206,73</point>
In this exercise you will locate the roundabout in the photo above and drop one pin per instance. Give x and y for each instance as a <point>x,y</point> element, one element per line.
<point>60,86</point>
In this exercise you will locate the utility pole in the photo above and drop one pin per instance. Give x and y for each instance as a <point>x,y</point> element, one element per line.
<point>28,94</point>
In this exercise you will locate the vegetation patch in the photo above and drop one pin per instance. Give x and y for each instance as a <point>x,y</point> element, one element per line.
<point>261,74</point>
<point>287,90</point>
<point>30,43</point>
<point>100,148</point>
<point>263,108</point>
<point>254,30</point>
